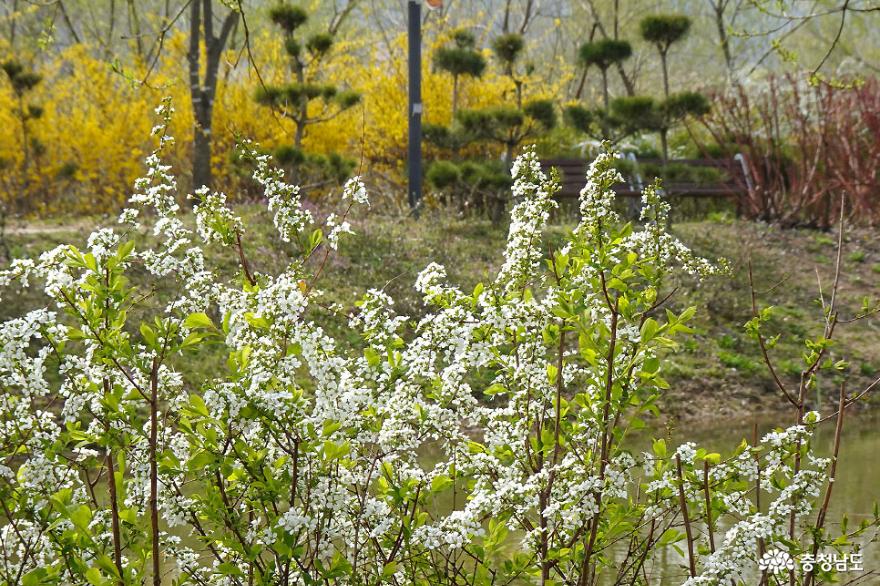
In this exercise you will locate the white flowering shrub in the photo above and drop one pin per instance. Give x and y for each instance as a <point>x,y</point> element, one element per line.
<point>491,442</point>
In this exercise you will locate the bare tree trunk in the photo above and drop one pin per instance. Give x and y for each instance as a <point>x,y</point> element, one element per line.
<point>203,91</point>
<point>509,147</point>
<point>69,23</point>
<point>624,77</point>
<point>607,99</point>
<point>134,28</point>
<point>616,18</point>
<point>22,192</point>
<point>11,14</point>
<point>664,144</point>
<point>300,132</point>
<point>665,74</point>
<point>627,82</point>
<point>723,39</point>
<point>110,29</point>
<point>580,90</point>
<point>527,16</point>
<point>201,173</point>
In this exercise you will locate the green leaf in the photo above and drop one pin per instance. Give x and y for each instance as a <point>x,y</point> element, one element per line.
<point>315,238</point>
<point>201,461</point>
<point>106,564</point>
<point>75,333</point>
<point>713,458</point>
<point>34,577</point>
<point>230,569</point>
<point>329,427</point>
<point>125,249</point>
<point>671,536</point>
<point>198,320</point>
<point>659,448</point>
<point>440,483</point>
<point>93,575</point>
<point>494,389</point>
<point>373,358</point>
<point>149,335</point>
<point>476,447</point>
<point>651,365</point>
<point>128,515</point>
<point>193,339</point>
<point>197,404</point>
<point>81,517</point>
<point>552,371</point>
<point>334,451</point>
<point>90,262</point>
<point>257,321</point>
<point>547,439</point>
<point>649,329</point>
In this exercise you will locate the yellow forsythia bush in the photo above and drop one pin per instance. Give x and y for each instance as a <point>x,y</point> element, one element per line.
<point>95,117</point>
<point>89,138</point>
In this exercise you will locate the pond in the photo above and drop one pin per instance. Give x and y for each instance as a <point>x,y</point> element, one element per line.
<point>854,494</point>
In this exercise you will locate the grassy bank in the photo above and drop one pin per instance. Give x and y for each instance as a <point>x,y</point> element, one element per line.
<point>719,374</point>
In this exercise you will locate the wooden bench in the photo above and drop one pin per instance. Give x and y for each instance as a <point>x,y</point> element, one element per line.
<point>734,183</point>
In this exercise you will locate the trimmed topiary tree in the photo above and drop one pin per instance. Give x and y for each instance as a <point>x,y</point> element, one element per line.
<point>633,114</point>
<point>295,100</point>
<point>508,126</point>
<point>508,49</point>
<point>663,31</point>
<point>603,54</point>
<point>624,117</point>
<point>478,184</point>
<point>675,109</point>
<point>679,106</point>
<point>460,58</point>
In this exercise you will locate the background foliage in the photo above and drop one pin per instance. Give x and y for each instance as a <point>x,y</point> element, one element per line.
<point>104,66</point>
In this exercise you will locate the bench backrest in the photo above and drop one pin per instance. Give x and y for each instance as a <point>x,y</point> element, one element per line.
<point>730,182</point>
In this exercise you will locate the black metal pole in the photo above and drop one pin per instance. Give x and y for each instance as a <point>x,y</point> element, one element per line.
<point>415,105</point>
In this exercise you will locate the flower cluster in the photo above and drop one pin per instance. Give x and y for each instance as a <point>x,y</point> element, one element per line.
<point>484,442</point>
<point>284,199</point>
<point>215,222</point>
<point>533,195</point>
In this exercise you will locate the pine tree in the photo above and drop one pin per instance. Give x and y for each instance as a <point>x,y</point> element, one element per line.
<point>663,31</point>
<point>460,58</point>
<point>307,100</point>
<point>603,54</point>
<point>477,183</point>
<point>508,49</point>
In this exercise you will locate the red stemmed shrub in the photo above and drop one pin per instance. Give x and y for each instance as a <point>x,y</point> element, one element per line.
<point>808,148</point>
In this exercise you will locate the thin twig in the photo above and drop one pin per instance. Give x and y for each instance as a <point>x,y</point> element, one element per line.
<point>682,501</point>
